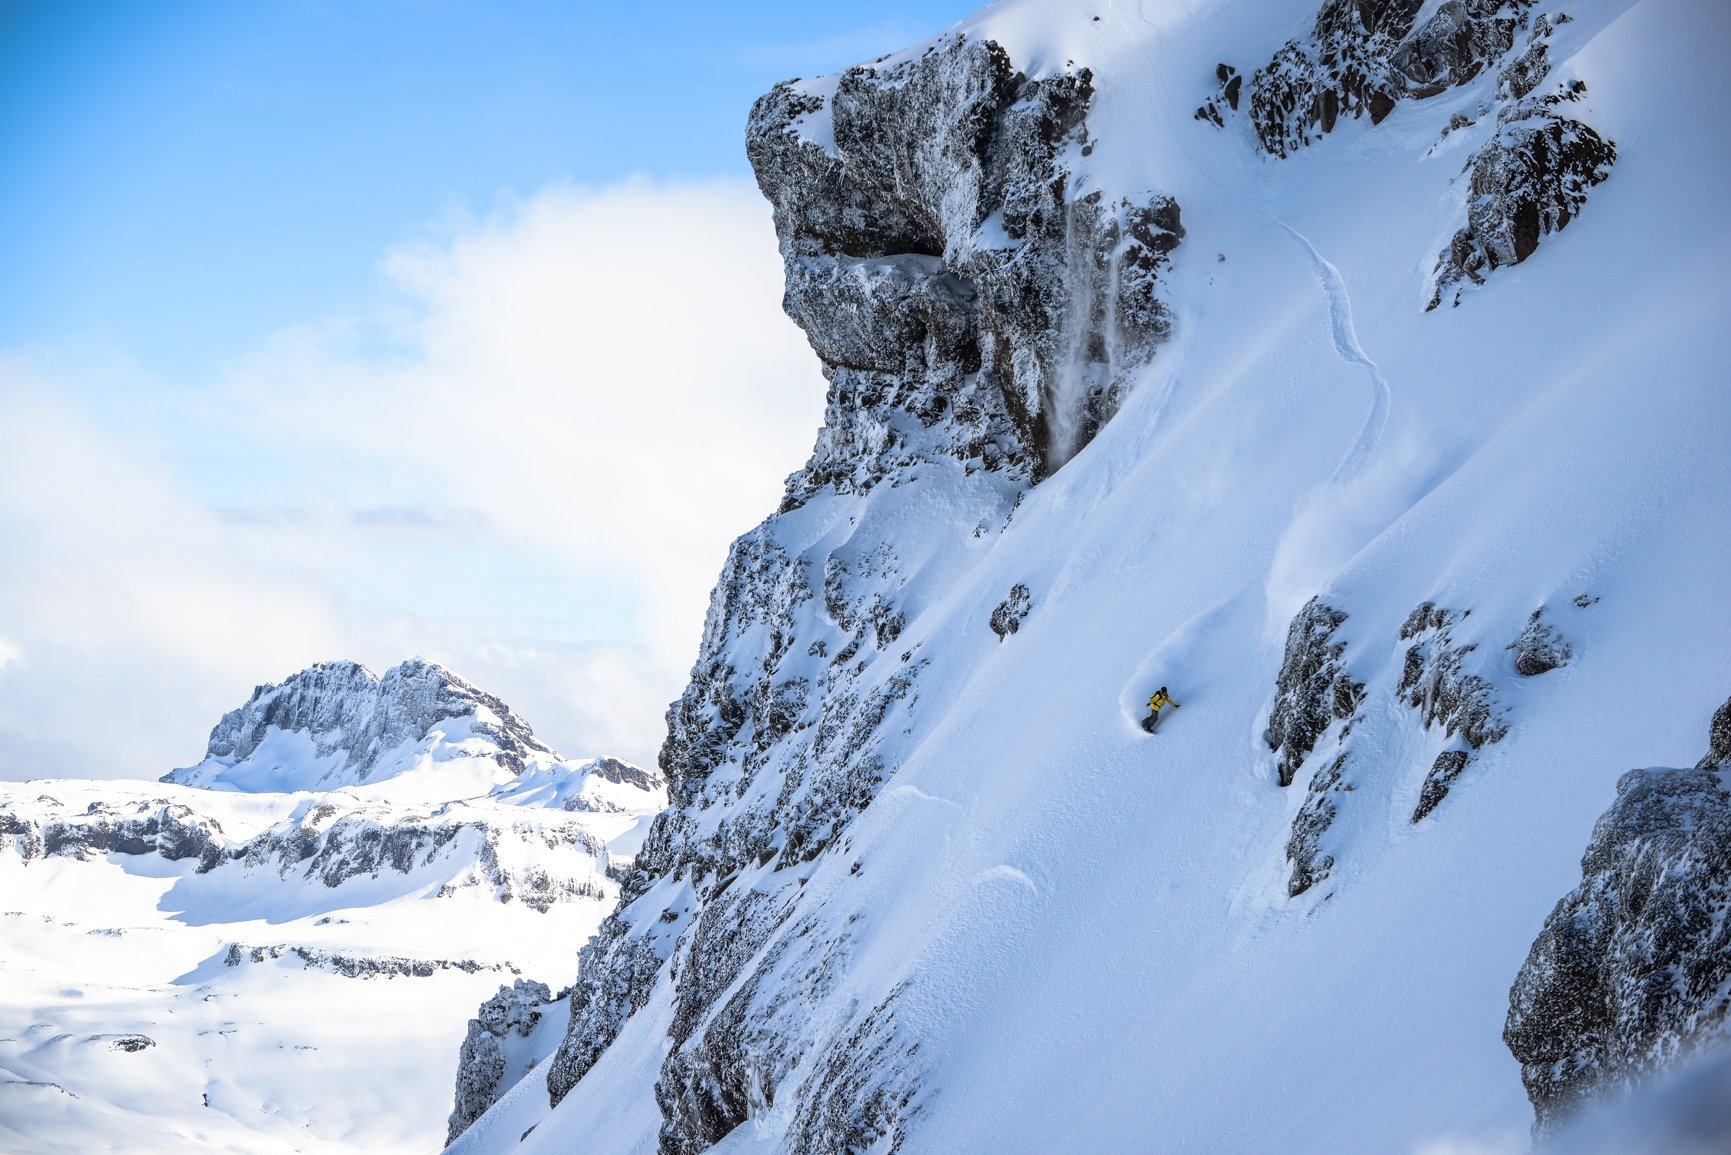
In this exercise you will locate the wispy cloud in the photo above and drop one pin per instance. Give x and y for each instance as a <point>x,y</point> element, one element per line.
<point>526,461</point>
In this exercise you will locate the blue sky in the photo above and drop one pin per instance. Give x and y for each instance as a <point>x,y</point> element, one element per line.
<point>180,177</point>
<point>373,329</point>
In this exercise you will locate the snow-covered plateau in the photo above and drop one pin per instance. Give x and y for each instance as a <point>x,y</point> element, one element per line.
<point>1355,369</point>
<point>279,949</point>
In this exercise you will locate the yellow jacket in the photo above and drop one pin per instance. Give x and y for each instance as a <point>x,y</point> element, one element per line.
<point>1160,698</point>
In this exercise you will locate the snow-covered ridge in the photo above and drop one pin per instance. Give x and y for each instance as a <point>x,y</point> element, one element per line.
<point>431,848</point>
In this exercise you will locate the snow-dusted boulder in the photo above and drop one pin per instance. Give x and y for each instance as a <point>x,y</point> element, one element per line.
<point>1632,971</point>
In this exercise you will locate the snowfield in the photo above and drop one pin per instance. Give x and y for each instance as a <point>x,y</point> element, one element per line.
<point>289,969</point>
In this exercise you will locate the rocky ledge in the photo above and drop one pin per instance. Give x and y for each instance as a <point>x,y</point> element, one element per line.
<point>1632,970</point>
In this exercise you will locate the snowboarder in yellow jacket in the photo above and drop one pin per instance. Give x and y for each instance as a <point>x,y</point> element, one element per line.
<point>1159,699</point>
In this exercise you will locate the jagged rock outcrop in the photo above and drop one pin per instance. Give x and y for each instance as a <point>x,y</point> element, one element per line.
<point>1361,58</point>
<point>1010,613</point>
<point>348,712</point>
<point>160,827</point>
<point>1435,682</point>
<point>1632,970</point>
<point>1540,648</point>
<point>1313,689</point>
<point>978,313</point>
<point>965,297</point>
<point>494,847</point>
<point>1529,180</point>
<point>619,771</point>
<point>482,1065</point>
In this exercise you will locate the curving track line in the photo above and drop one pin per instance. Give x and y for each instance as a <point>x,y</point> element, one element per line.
<point>1346,344</point>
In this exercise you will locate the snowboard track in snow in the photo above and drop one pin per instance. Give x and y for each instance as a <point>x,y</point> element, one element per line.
<point>1345,337</point>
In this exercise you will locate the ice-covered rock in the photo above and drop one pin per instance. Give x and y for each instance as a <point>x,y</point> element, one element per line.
<point>1632,970</point>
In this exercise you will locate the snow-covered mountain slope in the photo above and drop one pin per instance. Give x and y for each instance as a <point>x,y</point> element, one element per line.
<point>1353,368</point>
<point>244,969</point>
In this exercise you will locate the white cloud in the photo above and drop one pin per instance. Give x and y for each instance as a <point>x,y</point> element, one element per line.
<point>526,463</point>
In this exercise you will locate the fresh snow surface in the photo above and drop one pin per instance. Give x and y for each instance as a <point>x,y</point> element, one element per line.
<point>279,1053</point>
<point>1089,928</point>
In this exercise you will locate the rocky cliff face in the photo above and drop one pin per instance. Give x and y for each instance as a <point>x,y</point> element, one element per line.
<point>968,296</point>
<point>353,718</point>
<point>979,313</point>
<point>1632,970</point>
<point>484,1066</point>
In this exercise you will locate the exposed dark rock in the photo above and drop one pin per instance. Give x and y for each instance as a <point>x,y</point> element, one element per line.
<point>1530,179</point>
<point>1313,688</point>
<point>1718,737</point>
<point>1435,683</point>
<point>1310,863</point>
<point>1443,772</point>
<point>955,284</point>
<point>1540,648</point>
<point>1312,692</point>
<point>1010,613</point>
<point>1632,970</point>
<point>131,1044</point>
<point>1364,56</point>
<point>481,1065</point>
<point>625,774</point>
<point>157,827</point>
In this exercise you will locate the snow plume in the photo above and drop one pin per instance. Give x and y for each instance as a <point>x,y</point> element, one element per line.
<point>523,461</point>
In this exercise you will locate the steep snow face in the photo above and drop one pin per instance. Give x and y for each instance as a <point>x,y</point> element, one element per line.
<point>924,883</point>
<point>238,969</point>
<point>338,724</point>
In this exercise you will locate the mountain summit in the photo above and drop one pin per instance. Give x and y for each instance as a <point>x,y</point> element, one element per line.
<point>338,724</point>
<point>279,947</point>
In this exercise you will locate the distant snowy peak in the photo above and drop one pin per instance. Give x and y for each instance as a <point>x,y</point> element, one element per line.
<point>337,724</point>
